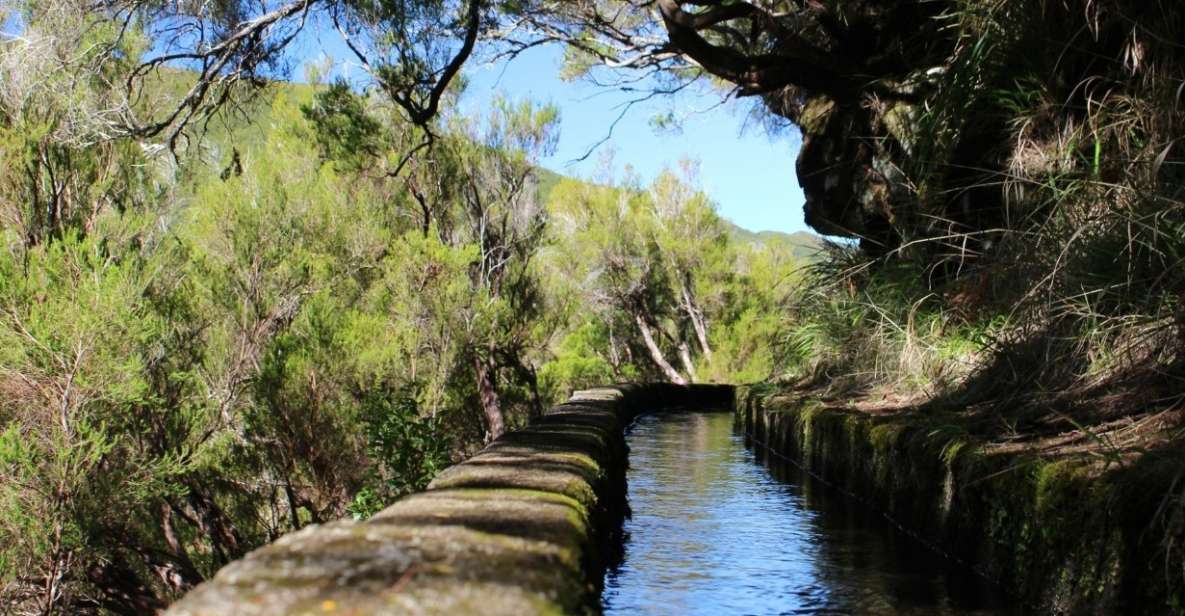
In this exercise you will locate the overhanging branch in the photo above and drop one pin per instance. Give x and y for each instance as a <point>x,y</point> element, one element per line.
<point>797,62</point>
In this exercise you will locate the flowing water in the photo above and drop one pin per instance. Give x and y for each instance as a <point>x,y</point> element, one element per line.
<point>715,531</point>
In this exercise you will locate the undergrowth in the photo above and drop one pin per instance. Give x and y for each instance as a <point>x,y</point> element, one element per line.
<point>1039,290</point>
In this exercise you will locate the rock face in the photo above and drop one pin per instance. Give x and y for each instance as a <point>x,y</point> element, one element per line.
<point>854,184</point>
<point>526,526</point>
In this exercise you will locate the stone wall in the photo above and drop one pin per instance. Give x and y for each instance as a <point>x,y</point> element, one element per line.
<point>1058,535</point>
<point>526,526</point>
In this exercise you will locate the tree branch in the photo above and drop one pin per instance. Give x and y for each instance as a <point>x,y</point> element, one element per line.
<point>798,62</point>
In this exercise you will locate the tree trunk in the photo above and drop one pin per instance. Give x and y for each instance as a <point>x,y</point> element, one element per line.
<point>216,525</point>
<point>656,353</point>
<point>614,356</point>
<point>533,381</point>
<point>122,590</point>
<point>697,321</point>
<point>488,393</point>
<point>688,367</point>
<point>186,574</point>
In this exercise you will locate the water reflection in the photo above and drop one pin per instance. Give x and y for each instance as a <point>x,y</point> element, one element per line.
<point>715,532</point>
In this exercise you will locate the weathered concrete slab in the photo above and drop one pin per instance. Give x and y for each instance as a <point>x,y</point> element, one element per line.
<point>521,528</point>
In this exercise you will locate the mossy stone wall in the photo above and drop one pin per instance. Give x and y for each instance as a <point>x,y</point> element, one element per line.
<point>526,526</point>
<point>1057,535</point>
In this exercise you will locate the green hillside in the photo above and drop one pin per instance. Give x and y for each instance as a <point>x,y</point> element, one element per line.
<point>802,244</point>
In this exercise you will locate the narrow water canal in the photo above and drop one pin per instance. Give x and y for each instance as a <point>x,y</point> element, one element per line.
<point>715,531</point>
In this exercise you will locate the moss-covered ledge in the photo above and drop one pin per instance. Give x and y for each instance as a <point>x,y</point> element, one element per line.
<point>1054,532</point>
<point>524,527</point>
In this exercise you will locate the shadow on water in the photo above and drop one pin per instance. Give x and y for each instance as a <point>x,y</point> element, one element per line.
<point>717,530</point>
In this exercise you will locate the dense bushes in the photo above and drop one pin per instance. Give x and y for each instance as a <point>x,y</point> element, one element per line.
<point>291,320</point>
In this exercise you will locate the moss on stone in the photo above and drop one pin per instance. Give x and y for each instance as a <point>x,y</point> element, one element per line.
<point>1057,533</point>
<point>520,528</point>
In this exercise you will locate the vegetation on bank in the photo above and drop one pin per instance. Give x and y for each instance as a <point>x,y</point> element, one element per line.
<point>290,321</point>
<point>1019,288</point>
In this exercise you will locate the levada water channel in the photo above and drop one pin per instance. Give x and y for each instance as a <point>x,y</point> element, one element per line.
<point>717,529</point>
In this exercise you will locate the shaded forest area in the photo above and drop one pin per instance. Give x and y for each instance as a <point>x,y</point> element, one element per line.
<point>232,308</point>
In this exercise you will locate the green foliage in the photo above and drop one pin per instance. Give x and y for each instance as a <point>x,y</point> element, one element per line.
<point>409,451</point>
<point>344,131</point>
<point>578,362</point>
<point>83,397</point>
<point>61,174</point>
<point>251,348</point>
<point>660,262</point>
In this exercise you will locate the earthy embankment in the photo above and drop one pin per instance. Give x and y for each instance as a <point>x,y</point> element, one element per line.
<point>524,527</point>
<point>1062,535</point>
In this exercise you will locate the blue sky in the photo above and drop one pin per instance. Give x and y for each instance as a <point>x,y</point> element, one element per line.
<point>749,174</point>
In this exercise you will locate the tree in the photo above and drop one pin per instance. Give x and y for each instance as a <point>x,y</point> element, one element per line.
<point>657,282</point>
<point>606,239</point>
<point>473,190</point>
<point>500,215</point>
<point>64,172</point>
<point>413,50</point>
<point>691,236</point>
<point>833,69</point>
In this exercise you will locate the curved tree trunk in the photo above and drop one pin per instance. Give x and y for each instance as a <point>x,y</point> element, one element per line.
<point>656,353</point>
<point>688,366</point>
<point>487,391</point>
<point>697,321</point>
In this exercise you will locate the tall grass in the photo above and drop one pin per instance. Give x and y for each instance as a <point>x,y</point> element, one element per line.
<point>1047,173</point>
<point>1039,278</point>
<point>873,326</point>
